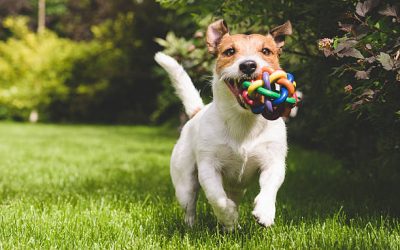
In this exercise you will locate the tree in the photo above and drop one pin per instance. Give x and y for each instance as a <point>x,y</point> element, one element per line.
<point>42,16</point>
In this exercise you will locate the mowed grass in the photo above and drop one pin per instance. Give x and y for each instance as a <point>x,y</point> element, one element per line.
<point>102,187</point>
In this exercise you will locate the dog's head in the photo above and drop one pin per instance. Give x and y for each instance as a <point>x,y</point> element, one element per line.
<point>241,57</point>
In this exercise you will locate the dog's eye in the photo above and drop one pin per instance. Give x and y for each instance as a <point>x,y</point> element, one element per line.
<point>229,52</point>
<point>266,51</point>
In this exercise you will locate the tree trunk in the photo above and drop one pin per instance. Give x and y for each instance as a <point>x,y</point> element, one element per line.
<point>41,16</point>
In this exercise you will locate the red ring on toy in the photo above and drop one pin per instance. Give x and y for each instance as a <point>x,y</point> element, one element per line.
<point>246,98</point>
<point>295,97</point>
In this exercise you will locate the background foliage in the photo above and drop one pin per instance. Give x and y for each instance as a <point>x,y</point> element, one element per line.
<point>351,102</point>
<point>104,81</point>
<point>35,78</point>
<point>369,52</point>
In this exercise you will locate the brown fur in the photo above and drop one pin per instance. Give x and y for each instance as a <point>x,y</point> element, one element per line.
<point>219,40</point>
<point>246,45</point>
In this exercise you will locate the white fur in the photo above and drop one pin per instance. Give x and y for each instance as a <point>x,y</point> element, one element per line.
<point>232,70</point>
<point>222,148</point>
<point>182,83</point>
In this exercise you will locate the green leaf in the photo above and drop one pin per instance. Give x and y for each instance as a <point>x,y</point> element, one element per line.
<point>161,42</point>
<point>335,42</point>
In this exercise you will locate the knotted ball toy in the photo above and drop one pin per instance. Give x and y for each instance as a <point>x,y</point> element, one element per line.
<point>263,97</point>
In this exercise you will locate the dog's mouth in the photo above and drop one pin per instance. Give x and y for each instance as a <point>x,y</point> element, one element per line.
<point>235,85</point>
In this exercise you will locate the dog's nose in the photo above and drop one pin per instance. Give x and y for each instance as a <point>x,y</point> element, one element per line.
<point>248,67</point>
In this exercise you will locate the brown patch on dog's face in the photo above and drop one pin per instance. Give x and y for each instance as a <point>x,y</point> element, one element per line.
<point>241,57</point>
<point>233,47</point>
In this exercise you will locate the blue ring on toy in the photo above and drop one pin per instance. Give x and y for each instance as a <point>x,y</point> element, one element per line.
<point>282,97</point>
<point>290,77</point>
<point>257,110</point>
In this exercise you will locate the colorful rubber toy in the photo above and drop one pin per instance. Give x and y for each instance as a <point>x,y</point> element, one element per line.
<point>263,97</point>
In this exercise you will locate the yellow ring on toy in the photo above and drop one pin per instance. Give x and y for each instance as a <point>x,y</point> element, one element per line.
<point>294,84</point>
<point>277,75</point>
<point>254,85</point>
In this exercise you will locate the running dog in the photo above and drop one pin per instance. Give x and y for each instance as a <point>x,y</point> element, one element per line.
<point>224,145</point>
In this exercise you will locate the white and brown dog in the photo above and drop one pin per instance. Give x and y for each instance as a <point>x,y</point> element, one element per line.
<point>225,145</point>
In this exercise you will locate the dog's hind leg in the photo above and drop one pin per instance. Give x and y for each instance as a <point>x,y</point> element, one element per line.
<point>184,177</point>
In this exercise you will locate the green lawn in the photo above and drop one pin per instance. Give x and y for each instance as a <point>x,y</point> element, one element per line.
<point>109,187</point>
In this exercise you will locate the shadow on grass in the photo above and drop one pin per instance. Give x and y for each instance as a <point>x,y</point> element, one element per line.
<point>316,188</point>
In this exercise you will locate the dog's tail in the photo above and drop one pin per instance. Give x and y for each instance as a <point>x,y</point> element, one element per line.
<point>182,83</point>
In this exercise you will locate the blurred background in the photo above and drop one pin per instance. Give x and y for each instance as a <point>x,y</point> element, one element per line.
<point>91,61</point>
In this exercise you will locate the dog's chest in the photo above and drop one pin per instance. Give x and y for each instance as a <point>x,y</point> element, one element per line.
<point>238,164</point>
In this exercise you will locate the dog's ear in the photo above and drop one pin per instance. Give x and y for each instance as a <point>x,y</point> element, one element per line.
<point>279,33</point>
<point>215,32</point>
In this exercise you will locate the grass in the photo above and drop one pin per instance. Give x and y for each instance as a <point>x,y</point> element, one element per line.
<point>70,186</point>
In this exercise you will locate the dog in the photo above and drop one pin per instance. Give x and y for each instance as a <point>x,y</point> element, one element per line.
<point>224,146</point>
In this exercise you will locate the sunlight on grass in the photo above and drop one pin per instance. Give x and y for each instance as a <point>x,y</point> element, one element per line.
<point>109,186</point>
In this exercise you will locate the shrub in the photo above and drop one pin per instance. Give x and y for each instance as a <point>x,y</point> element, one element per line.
<point>37,69</point>
<point>369,65</point>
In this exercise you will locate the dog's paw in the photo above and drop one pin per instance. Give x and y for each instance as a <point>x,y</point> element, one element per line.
<point>189,220</point>
<point>229,229</point>
<point>264,217</point>
<point>226,212</point>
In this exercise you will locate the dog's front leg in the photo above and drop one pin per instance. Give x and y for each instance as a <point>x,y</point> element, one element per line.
<point>271,178</point>
<point>211,181</point>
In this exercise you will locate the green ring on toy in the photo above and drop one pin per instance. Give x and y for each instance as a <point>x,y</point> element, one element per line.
<point>269,93</point>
